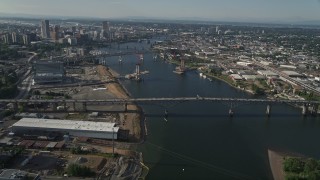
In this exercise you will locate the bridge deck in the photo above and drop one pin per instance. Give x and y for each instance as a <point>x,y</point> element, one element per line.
<point>145,100</point>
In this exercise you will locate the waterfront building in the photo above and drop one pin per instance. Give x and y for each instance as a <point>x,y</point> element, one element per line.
<point>101,130</point>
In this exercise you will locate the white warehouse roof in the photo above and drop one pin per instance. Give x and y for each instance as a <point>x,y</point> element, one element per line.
<point>292,73</point>
<point>67,125</point>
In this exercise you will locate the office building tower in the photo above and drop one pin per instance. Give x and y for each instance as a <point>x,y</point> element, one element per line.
<point>14,37</point>
<point>54,35</point>
<point>6,39</point>
<point>26,39</point>
<point>106,26</point>
<point>45,33</point>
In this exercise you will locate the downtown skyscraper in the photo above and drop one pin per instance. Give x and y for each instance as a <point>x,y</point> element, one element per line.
<point>45,32</point>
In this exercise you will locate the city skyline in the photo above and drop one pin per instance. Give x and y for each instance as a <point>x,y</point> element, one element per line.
<point>231,10</point>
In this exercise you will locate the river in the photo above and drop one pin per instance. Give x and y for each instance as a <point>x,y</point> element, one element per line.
<point>199,140</point>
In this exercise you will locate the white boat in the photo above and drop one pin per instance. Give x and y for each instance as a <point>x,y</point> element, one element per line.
<point>201,74</point>
<point>204,76</point>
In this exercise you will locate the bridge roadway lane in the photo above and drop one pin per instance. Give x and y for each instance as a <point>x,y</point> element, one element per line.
<point>155,100</point>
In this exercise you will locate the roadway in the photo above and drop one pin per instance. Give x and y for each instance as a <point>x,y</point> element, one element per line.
<point>25,82</point>
<point>159,100</point>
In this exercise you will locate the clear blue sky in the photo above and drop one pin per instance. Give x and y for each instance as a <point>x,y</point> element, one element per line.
<point>212,9</point>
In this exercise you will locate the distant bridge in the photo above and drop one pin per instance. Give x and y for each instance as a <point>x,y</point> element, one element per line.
<point>311,106</point>
<point>102,54</point>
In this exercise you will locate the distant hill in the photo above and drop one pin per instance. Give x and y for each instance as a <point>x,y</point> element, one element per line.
<point>195,20</point>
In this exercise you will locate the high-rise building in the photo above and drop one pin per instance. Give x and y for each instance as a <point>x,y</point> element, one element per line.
<point>56,28</point>
<point>73,29</point>
<point>106,26</point>
<point>54,35</point>
<point>14,37</point>
<point>26,39</point>
<point>7,39</point>
<point>45,33</point>
<point>72,41</point>
<point>96,35</point>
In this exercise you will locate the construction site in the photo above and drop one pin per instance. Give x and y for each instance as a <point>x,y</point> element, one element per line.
<point>99,138</point>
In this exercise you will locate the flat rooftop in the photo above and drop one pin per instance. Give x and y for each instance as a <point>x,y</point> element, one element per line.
<point>292,73</point>
<point>66,125</point>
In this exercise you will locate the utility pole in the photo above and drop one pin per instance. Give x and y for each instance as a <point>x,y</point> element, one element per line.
<point>113,142</point>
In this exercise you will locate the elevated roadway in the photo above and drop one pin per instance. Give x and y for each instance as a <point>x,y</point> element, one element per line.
<point>155,100</point>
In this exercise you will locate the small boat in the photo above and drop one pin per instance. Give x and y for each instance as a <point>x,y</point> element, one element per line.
<point>165,119</point>
<point>210,79</point>
<point>201,74</point>
<point>179,71</point>
<point>120,59</point>
<point>204,76</point>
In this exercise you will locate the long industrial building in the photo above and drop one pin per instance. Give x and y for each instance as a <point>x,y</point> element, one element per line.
<point>101,130</point>
<point>48,72</point>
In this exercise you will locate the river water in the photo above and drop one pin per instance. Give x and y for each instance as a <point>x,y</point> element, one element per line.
<point>199,140</point>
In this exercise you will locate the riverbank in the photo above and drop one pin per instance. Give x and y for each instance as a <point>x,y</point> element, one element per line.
<point>276,164</point>
<point>134,119</point>
<point>211,76</point>
<point>229,83</point>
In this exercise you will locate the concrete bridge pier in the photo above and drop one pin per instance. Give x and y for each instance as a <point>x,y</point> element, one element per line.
<point>84,106</point>
<point>54,106</point>
<point>231,112</point>
<point>304,109</point>
<point>314,110</point>
<point>268,111</point>
<point>74,106</point>
<point>166,113</point>
<point>15,106</point>
<point>125,107</point>
<point>24,106</point>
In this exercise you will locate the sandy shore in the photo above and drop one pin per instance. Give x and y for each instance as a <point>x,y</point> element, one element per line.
<point>276,164</point>
<point>134,119</point>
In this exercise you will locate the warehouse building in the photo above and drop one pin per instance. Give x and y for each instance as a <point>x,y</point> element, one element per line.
<point>293,74</point>
<point>48,72</point>
<point>101,130</point>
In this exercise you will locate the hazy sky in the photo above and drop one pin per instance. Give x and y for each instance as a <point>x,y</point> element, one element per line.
<point>213,9</point>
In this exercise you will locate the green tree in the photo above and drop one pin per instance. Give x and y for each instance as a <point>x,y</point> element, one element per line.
<point>79,171</point>
<point>294,165</point>
<point>310,165</point>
